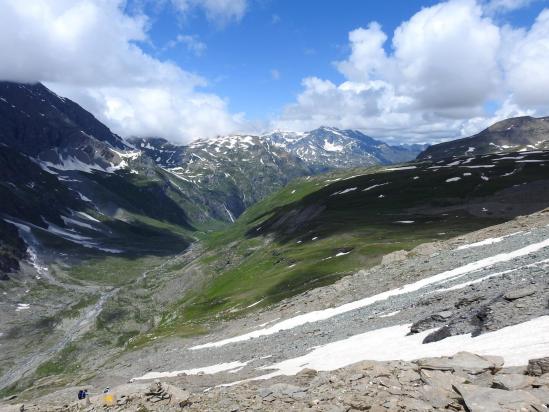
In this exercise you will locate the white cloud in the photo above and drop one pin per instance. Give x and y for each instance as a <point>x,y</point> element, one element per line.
<point>85,49</point>
<point>503,6</point>
<point>526,63</point>
<point>218,11</point>
<point>191,42</point>
<point>445,64</point>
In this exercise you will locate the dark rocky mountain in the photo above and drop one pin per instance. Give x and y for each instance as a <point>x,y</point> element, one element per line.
<point>68,183</point>
<point>50,128</point>
<point>518,134</point>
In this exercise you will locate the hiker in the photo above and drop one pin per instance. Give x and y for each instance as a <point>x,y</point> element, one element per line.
<point>82,394</point>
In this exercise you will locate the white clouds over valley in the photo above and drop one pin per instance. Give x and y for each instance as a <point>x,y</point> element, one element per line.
<point>85,50</point>
<point>446,63</point>
<point>451,69</point>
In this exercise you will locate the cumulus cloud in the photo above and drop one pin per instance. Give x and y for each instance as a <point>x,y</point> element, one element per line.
<point>445,64</point>
<point>86,50</point>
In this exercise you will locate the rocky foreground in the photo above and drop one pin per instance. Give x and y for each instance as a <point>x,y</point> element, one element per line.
<point>463,382</point>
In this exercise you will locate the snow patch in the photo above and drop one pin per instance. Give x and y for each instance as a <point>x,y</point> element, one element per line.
<point>22,306</point>
<point>401,168</point>
<point>332,147</point>
<point>516,344</point>
<point>206,370</point>
<point>342,192</point>
<point>489,241</point>
<point>374,186</point>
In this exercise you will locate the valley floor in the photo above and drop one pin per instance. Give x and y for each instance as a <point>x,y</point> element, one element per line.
<point>485,292</point>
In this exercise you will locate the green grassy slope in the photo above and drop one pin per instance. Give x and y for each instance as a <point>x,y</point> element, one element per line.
<point>316,230</point>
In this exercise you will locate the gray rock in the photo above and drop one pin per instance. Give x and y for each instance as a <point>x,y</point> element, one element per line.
<point>462,361</point>
<point>436,396</point>
<point>410,404</point>
<point>408,376</point>
<point>264,392</point>
<point>520,293</point>
<point>479,399</point>
<point>541,393</point>
<point>285,389</point>
<point>440,379</point>
<point>511,382</point>
<point>445,314</point>
<point>537,367</point>
<point>356,377</point>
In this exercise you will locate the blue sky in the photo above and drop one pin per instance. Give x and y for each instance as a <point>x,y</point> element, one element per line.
<point>403,71</point>
<point>294,38</point>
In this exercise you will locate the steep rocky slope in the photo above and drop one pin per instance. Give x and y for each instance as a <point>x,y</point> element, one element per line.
<point>511,135</point>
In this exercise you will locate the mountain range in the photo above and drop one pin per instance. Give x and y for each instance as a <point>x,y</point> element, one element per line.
<point>110,246</point>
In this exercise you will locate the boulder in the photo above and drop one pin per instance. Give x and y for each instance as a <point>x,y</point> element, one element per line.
<point>440,379</point>
<point>479,399</point>
<point>537,367</point>
<point>520,293</point>
<point>285,389</point>
<point>511,382</point>
<point>307,373</point>
<point>178,396</point>
<point>542,394</point>
<point>463,361</point>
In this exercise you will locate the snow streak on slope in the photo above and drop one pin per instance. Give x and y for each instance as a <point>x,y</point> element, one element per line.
<point>517,344</point>
<point>207,370</point>
<point>319,315</point>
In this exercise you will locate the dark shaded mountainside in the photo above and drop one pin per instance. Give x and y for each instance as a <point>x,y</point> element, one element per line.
<point>518,134</point>
<point>67,182</point>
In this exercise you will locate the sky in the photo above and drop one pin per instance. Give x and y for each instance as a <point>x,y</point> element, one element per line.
<point>404,71</point>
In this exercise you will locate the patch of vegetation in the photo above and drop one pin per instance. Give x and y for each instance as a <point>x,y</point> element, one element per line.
<point>125,338</point>
<point>65,362</point>
<point>113,270</point>
<point>74,310</point>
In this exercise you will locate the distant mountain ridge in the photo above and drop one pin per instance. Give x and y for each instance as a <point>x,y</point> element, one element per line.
<point>517,134</point>
<point>321,149</point>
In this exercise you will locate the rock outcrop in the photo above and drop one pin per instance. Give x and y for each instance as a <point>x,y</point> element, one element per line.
<point>463,382</point>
